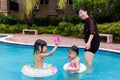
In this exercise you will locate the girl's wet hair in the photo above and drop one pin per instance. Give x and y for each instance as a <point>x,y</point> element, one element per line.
<point>40,43</point>
<point>74,48</point>
<point>82,8</point>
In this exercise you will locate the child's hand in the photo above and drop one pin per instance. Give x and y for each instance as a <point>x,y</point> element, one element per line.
<point>57,43</point>
<point>68,69</point>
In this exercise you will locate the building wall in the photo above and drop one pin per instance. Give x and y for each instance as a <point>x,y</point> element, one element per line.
<point>4,7</point>
<point>44,10</point>
<point>20,12</point>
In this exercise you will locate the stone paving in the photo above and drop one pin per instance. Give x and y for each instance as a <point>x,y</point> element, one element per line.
<point>29,38</point>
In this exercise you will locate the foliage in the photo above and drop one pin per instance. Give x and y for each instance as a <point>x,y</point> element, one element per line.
<point>73,19</point>
<point>29,6</point>
<point>11,19</point>
<point>62,4</point>
<point>111,28</point>
<point>3,28</point>
<point>102,10</point>
<point>47,21</point>
<point>65,29</point>
<point>47,30</point>
<point>12,29</point>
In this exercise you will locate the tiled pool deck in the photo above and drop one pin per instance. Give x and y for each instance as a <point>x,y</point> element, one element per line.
<point>66,41</point>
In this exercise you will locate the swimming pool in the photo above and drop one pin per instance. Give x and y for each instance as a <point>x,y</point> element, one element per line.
<point>2,36</point>
<point>13,57</point>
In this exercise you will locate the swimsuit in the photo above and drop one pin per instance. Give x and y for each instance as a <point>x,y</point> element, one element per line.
<point>90,27</point>
<point>40,60</point>
<point>73,65</point>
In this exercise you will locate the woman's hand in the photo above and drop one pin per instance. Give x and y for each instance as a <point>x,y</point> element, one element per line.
<point>87,46</point>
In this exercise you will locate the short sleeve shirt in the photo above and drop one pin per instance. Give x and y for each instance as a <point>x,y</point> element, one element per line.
<point>90,27</point>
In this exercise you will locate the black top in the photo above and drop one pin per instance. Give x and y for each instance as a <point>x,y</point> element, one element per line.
<point>90,27</point>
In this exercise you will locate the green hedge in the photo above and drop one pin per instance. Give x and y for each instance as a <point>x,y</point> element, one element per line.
<point>111,28</point>
<point>12,29</point>
<point>68,29</point>
<point>101,10</point>
<point>11,19</point>
<point>65,29</point>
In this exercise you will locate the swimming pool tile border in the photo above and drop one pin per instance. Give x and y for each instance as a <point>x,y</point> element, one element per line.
<point>3,40</point>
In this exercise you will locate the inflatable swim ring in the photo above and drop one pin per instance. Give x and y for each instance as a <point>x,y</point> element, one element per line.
<point>47,70</point>
<point>82,67</point>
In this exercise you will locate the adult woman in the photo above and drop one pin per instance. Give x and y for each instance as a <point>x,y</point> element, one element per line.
<point>91,37</point>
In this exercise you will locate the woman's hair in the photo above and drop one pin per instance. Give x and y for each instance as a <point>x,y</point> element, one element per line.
<point>74,48</point>
<point>82,8</point>
<point>40,43</point>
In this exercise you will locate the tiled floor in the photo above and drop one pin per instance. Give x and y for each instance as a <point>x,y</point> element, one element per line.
<point>27,38</point>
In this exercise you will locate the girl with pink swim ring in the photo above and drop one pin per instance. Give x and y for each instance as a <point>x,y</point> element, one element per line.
<point>74,59</point>
<point>73,65</point>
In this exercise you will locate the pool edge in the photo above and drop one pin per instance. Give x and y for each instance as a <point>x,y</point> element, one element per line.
<point>3,39</point>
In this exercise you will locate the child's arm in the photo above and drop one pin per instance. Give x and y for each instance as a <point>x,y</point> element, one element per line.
<point>50,53</point>
<point>77,67</point>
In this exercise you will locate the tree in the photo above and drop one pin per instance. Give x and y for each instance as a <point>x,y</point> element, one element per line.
<point>29,6</point>
<point>62,6</point>
<point>101,10</point>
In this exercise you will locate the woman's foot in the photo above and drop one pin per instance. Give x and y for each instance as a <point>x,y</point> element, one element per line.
<point>89,69</point>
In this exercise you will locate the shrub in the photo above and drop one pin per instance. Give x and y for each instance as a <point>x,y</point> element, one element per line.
<point>63,28</point>
<point>77,30</point>
<point>73,19</point>
<point>102,10</point>
<point>12,29</point>
<point>46,21</point>
<point>3,19</point>
<point>11,19</point>
<point>16,28</point>
<point>47,30</point>
<point>111,28</point>
<point>3,28</point>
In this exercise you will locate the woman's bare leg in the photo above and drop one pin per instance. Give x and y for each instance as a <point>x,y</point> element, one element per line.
<point>89,59</point>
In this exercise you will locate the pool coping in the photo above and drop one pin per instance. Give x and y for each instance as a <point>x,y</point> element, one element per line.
<point>3,39</point>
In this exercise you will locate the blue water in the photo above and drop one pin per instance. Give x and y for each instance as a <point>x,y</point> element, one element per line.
<point>2,36</point>
<point>13,57</point>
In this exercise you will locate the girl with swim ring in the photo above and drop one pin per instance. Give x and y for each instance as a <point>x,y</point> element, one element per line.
<point>40,51</point>
<point>41,69</point>
<point>74,59</point>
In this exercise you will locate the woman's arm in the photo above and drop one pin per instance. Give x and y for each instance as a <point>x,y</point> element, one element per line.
<point>92,33</point>
<point>87,46</point>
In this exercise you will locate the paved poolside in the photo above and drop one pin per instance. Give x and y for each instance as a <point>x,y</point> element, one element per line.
<point>68,41</point>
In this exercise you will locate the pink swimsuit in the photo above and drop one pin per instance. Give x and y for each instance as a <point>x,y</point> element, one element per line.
<point>73,65</point>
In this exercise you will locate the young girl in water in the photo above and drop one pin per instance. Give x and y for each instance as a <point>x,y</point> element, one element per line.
<point>74,59</point>
<point>40,51</point>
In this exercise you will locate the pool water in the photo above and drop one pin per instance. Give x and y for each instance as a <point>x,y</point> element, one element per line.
<point>1,36</point>
<point>13,57</point>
